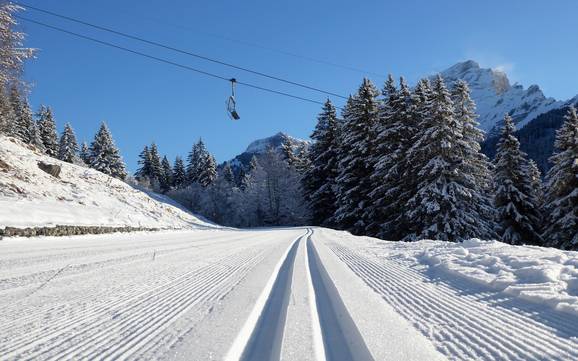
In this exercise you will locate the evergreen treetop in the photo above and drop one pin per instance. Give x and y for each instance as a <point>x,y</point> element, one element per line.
<point>360,117</point>
<point>48,133</point>
<point>68,146</point>
<point>104,154</point>
<point>518,212</point>
<point>179,172</point>
<point>561,200</point>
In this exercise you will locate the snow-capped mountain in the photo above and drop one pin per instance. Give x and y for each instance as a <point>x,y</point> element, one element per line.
<point>260,146</point>
<point>495,96</point>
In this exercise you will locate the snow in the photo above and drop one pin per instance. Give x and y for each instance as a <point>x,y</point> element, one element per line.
<point>465,297</point>
<point>131,295</point>
<point>81,196</point>
<point>260,146</point>
<point>256,316</point>
<point>495,97</point>
<point>545,276</point>
<point>387,335</point>
<point>290,293</point>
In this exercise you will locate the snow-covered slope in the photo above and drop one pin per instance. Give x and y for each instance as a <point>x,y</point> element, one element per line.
<point>495,96</point>
<point>281,294</point>
<point>444,290</point>
<point>80,196</point>
<point>260,146</point>
<point>545,276</point>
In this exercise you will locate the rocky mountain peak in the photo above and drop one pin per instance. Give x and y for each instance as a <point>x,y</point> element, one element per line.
<point>495,96</point>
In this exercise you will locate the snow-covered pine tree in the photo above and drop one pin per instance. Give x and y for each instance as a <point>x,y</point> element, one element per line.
<point>274,194</point>
<point>179,173</point>
<point>21,123</point>
<point>227,174</point>
<point>319,180</point>
<point>194,162</point>
<point>302,156</point>
<point>48,133</point>
<point>68,146</point>
<point>220,199</point>
<point>476,168</point>
<point>167,175</point>
<point>6,114</point>
<point>240,178</point>
<point>85,153</point>
<point>442,205</point>
<point>244,175</point>
<point>393,132</point>
<point>35,136</point>
<point>12,52</point>
<point>536,182</point>
<point>288,152</point>
<point>561,200</point>
<point>156,170</point>
<point>518,213</point>
<point>357,139</point>
<point>421,98</point>
<point>104,154</point>
<point>144,162</point>
<point>207,170</point>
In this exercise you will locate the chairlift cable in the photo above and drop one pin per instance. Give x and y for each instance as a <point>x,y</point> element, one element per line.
<point>168,47</point>
<point>162,60</point>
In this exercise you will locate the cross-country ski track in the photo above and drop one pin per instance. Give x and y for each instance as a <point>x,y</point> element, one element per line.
<point>270,294</point>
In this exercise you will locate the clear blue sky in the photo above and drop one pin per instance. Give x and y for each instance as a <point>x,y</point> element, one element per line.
<point>143,101</point>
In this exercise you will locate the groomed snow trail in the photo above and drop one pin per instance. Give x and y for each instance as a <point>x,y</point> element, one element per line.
<point>465,321</point>
<point>341,338</point>
<point>306,294</point>
<point>117,297</point>
<point>334,335</point>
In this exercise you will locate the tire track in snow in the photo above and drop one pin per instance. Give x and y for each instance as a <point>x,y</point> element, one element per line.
<point>262,334</point>
<point>462,327</point>
<point>341,338</point>
<point>333,327</point>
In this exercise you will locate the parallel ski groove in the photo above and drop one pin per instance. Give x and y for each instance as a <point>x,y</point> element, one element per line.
<point>135,291</point>
<point>94,320</point>
<point>265,341</point>
<point>104,307</point>
<point>338,329</point>
<point>480,332</point>
<point>173,298</point>
<point>475,338</point>
<point>250,341</point>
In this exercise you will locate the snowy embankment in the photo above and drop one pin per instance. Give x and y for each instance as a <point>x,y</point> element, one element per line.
<point>465,319</point>
<point>79,196</point>
<point>545,276</point>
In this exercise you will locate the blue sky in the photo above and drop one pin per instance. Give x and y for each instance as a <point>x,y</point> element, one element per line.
<point>143,101</point>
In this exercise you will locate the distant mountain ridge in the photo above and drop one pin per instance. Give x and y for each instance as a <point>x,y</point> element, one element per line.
<point>260,146</point>
<point>536,116</point>
<point>495,96</point>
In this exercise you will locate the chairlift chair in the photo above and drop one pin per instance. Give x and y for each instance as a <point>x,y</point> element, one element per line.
<point>231,103</point>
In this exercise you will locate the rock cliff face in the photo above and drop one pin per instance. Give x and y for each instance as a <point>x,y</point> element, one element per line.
<point>495,96</point>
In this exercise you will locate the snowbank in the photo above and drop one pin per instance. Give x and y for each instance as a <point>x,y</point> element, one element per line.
<point>30,197</point>
<point>541,275</point>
